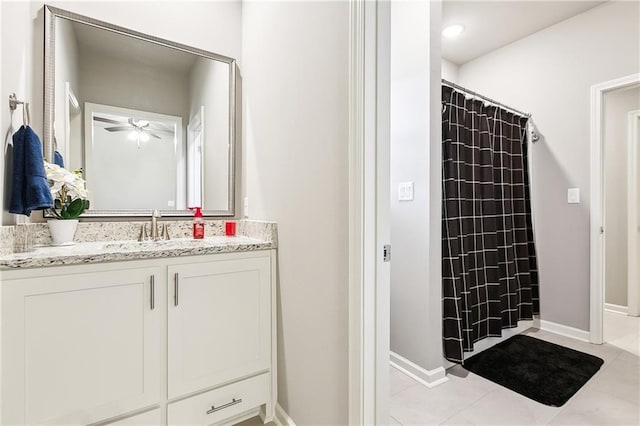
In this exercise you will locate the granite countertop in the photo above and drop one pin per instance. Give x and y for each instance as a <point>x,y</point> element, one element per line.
<point>109,251</point>
<point>112,241</point>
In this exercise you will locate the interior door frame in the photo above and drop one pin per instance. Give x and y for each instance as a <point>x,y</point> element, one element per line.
<point>633,221</point>
<point>369,207</point>
<point>597,204</point>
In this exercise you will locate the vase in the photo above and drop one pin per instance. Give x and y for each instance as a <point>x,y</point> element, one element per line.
<point>62,231</point>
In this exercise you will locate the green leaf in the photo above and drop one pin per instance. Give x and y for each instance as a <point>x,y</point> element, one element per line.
<point>74,209</point>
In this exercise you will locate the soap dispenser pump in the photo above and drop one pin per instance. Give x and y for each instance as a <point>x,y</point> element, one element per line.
<point>198,223</point>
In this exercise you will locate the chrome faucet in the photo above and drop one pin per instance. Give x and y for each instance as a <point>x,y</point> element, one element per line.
<point>156,234</point>
<point>154,225</point>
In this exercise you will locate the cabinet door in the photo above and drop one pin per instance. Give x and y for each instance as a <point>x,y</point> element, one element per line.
<point>79,348</point>
<point>219,320</point>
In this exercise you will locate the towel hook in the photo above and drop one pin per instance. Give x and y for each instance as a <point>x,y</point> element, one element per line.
<point>13,105</point>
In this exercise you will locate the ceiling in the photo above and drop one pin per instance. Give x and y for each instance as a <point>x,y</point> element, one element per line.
<point>493,24</point>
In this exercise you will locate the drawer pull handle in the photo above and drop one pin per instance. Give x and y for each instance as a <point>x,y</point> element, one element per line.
<point>152,301</point>
<point>222,407</point>
<point>175,289</point>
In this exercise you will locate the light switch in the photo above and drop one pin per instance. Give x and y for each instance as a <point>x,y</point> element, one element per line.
<point>405,191</point>
<point>245,207</point>
<point>573,196</point>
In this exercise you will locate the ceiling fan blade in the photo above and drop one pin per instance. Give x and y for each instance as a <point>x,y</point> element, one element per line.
<point>153,135</point>
<point>108,120</point>
<point>118,128</point>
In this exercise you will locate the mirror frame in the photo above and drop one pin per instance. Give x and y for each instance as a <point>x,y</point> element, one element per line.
<point>50,15</point>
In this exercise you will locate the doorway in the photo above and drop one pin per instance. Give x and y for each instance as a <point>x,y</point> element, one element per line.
<point>620,109</point>
<point>634,213</point>
<point>614,218</point>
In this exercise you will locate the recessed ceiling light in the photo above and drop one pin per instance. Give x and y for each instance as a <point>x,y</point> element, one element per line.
<point>452,31</point>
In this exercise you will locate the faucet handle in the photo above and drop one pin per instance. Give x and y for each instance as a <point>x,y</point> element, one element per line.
<point>143,233</point>
<point>165,232</point>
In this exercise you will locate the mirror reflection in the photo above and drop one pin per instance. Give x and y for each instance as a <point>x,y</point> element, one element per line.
<point>136,150</point>
<point>150,121</point>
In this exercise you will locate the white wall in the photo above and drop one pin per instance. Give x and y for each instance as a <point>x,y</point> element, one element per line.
<point>209,86</point>
<point>450,71</point>
<point>295,81</point>
<point>214,26</point>
<point>416,283</point>
<point>617,105</point>
<point>550,74</point>
<point>17,76</point>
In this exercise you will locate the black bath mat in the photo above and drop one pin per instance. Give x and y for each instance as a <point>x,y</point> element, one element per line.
<point>543,371</point>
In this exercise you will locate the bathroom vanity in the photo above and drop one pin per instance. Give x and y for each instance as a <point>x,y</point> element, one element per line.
<point>177,332</point>
<point>115,331</point>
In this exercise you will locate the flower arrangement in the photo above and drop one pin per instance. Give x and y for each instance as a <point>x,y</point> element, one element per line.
<point>68,190</point>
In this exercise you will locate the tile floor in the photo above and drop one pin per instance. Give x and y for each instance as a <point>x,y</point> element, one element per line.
<point>611,397</point>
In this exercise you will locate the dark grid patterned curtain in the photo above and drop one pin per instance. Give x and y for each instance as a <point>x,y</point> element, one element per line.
<point>490,279</point>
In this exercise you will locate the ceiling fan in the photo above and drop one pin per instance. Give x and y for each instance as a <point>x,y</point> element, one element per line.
<point>141,127</point>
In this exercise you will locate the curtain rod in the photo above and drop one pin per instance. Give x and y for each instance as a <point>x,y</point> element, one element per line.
<point>471,92</point>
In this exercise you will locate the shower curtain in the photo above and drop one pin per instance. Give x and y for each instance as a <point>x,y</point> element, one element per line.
<point>490,278</point>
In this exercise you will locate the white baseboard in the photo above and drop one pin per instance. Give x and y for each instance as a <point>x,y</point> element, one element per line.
<point>282,418</point>
<point>563,330</point>
<point>618,309</point>
<point>429,378</point>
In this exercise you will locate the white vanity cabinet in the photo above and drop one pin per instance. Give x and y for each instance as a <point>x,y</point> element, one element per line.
<point>183,340</point>
<point>79,347</point>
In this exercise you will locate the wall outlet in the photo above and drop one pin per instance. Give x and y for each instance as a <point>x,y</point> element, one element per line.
<point>573,196</point>
<point>405,191</point>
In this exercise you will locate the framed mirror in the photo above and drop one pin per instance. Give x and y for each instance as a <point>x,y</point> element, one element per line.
<point>149,121</point>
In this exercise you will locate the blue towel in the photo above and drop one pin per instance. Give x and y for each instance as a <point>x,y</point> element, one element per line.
<point>29,185</point>
<point>58,159</point>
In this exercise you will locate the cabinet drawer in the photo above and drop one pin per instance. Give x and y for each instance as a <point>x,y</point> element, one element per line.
<point>207,408</point>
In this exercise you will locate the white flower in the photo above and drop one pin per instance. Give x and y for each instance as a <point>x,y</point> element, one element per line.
<point>60,178</point>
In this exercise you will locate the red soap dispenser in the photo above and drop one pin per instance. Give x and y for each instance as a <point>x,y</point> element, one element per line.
<point>198,223</point>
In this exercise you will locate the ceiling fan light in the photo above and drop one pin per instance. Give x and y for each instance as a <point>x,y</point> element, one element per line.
<point>133,135</point>
<point>454,30</point>
<point>144,136</point>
